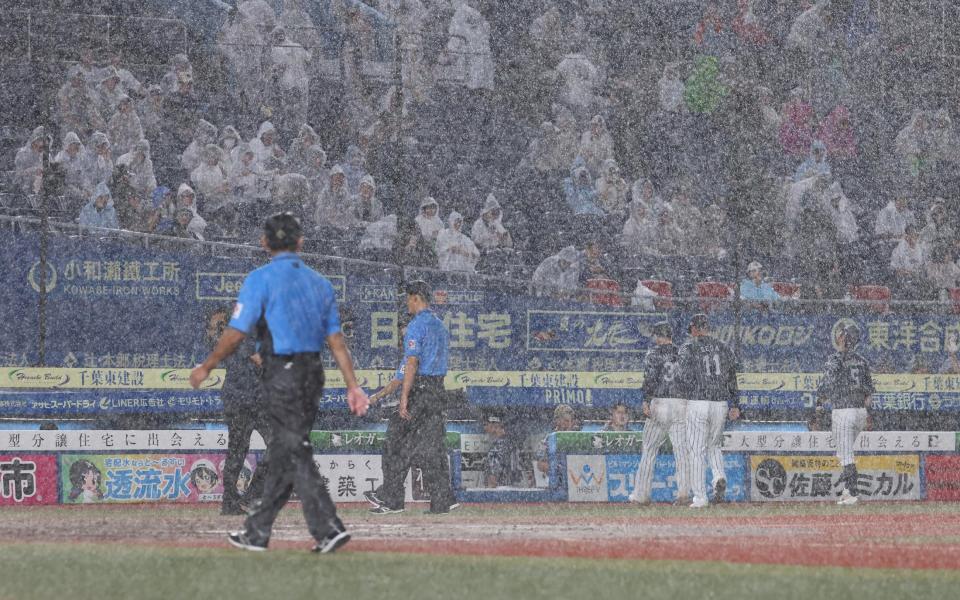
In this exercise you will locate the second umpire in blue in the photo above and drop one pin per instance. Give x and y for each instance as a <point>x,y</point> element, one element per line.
<point>293,311</point>
<point>420,433</point>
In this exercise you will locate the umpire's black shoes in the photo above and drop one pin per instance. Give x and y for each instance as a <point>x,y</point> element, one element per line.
<point>383,509</point>
<point>337,537</point>
<point>373,499</point>
<point>720,491</point>
<point>240,540</point>
<point>449,509</point>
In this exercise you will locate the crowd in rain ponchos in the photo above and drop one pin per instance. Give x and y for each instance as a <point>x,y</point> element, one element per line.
<point>578,162</point>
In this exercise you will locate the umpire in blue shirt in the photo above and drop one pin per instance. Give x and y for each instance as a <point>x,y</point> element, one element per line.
<point>420,433</point>
<point>292,310</point>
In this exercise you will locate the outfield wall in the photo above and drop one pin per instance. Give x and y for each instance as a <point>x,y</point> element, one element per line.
<point>184,466</point>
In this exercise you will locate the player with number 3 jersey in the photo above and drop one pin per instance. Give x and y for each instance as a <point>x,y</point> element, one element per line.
<point>708,374</point>
<point>666,412</point>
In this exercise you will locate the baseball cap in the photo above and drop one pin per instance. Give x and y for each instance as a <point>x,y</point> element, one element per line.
<point>754,266</point>
<point>851,334</point>
<point>662,329</point>
<point>700,321</point>
<point>563,410</point>
<point>418,287</point>
<point>282,230</point>
<point>491,418</point>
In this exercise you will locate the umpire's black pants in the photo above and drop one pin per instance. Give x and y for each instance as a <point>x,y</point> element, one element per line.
<point>242,419</point>
<point>419,441</point>
<point>292,387</point>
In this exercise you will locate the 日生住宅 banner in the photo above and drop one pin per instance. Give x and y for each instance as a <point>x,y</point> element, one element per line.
<point>815,477</point>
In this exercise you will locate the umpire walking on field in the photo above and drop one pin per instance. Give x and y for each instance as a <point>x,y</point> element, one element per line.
<point>848,385</point>
<point>420,432</point>
<point>293,311</point>
<point>708,373</point>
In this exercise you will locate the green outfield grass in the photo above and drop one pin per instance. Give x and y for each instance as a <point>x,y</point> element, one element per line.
<point>95,572</point>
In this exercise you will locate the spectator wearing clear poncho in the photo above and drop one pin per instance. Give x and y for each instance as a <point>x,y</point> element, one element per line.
<point>99,211</point>
<point>179,69</point>
<point>488,232</point>
<point>150,109</point>
<point>291,63</point>
<point>243,175</point>
<point>354,167</point>
<point>204,133</point>
<point>580,80</point>
<point>456,251</point>
<point>579,191</point>
<point>187,200</point>
<point>98,167</point>
<point>468,58</point>
<point>229,140</point>
<point>558,272</point>
<point>210,180</point>
<point>335,206</point>
<point>367,207</point>
<point>612,189</point>
<point>639,234</point>
<point>297,160</point>
<point>124,127</point>
<point>315,167</point>
<point>270,156</point>
<point>77,107</point>
<point>428,220</point>
<point>129,83</point>
<point>28,163</point>
<point>596,144</point>
<point>109,92</point>
<point>139,165</point>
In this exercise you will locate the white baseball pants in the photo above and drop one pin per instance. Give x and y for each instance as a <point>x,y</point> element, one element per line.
<point>668,417</point>
<point>847,423</point>
<point>705,421</point>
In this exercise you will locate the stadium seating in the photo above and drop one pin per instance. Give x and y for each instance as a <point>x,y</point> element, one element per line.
<point>664,291</point>
<point>877,296</point>
<point>712,294</point>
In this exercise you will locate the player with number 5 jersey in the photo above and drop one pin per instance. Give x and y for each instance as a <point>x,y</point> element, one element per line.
<point>847,385</point>
<point>708,375</point>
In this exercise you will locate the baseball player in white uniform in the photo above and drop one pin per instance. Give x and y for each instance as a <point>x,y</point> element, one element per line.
<point>848,385</point>
<point>666,414</point>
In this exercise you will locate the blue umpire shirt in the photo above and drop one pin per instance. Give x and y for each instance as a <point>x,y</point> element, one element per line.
<point>298,304</point>
<point>428,340</point>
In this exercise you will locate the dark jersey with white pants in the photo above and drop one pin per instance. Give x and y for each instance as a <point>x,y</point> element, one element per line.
<point>660,373</point>
<point>708,371</point>
<point>847,381</point>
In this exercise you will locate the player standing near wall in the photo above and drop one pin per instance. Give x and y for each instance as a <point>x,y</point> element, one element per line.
<point>666,413</point>
<point>294,312</point>
<point>848,385</point>
<point>708,372</point>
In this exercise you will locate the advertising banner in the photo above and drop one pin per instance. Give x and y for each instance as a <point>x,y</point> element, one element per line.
<point>118,440</point>
<point>610,478</point>
<point>113,478</point>
<point>28,479</point>
<point>122,318</point>
<point>942,474</point>
<point>779,478</point>
<point>822,441</point>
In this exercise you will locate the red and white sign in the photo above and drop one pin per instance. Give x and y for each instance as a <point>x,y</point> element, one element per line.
<point>28,479</point>
<point>943,477</point>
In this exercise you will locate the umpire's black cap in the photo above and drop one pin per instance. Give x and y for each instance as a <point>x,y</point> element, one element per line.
<point>662,329</point>
<point>282,231</point>
<point>418,287</point>
<point>700,321</point>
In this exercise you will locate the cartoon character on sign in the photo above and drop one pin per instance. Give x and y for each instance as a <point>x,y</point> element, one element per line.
<point>86,482</point>
<point>204,478</point>
<point>244,478</point>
